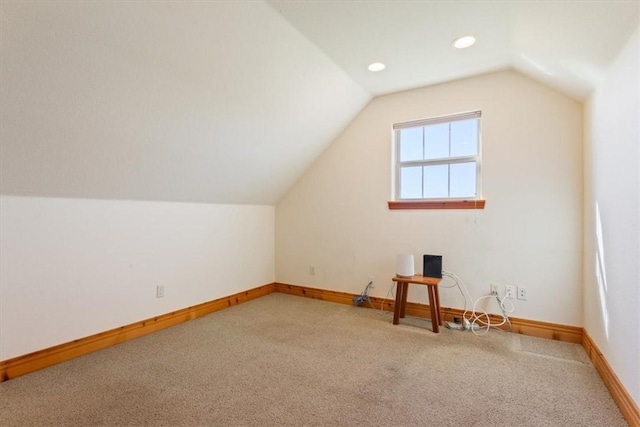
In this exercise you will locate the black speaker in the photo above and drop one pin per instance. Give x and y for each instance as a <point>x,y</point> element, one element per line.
<point>432,266</point>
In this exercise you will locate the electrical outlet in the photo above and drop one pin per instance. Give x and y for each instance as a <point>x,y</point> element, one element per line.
<point>312,270</point>
<point>160,291</point>
<point>494,289</point>
<point>510,291</point>
<point>522,293</point>
<point>372,280</point>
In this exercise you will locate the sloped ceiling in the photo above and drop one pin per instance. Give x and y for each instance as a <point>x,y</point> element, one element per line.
<point>221,102</point>
<point>565,44</point>
<point>230,101</point>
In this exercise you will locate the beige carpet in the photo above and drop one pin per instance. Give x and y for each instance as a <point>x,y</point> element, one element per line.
<point>285,360</point>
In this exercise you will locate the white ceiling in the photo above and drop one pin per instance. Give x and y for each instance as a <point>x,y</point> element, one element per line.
<point>230,101</point>
<point>566,44</point>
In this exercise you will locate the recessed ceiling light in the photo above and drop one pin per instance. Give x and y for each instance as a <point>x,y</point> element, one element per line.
<point>462,42</point>
<point>377,66</point>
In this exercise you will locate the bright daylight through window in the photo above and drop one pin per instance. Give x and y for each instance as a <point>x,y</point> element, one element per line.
<point>439,158</point>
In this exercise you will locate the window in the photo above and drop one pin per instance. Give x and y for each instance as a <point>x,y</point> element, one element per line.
<point>438,159</point>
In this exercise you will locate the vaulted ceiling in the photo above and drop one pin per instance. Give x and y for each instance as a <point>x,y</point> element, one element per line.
<point>230,101</point>
<point>565,44</point>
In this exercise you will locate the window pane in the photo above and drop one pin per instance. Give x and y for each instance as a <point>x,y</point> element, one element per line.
<point>410,144</point>
<point>411,182</point>
<point>463,179</point>
<point>464,138</point>
<point>436,141</point>
<point>436,181</point>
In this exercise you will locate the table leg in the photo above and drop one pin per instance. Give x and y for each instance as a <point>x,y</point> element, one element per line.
<point>398,303</point>
<point>403,305</point>
<point>435,320</point>
<point>438,305</point>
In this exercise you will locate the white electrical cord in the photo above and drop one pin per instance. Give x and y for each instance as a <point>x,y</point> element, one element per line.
<point>456,284</point>
<point>476,314</point>
<point>393,298</point>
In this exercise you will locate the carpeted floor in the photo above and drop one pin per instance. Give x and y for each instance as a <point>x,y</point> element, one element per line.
<point>286,360</point>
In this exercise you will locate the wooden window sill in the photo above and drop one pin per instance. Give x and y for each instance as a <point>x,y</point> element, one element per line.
<point>440,204</point>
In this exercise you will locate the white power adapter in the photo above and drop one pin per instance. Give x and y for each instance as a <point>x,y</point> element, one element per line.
<point>468,326</point>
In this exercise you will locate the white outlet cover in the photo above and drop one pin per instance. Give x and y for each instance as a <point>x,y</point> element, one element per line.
<point>510,291</point>
<point>522,293</point>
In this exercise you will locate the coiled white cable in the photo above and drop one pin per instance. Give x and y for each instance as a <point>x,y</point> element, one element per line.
<point>475,315</point>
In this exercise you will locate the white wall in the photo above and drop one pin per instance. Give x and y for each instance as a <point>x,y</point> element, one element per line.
<point>612,216</point>
<point>530,234</point>
<point>72,267</point>
<point>157,100</point>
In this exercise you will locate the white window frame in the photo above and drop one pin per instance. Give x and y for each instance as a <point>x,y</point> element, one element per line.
<point>477,159</point>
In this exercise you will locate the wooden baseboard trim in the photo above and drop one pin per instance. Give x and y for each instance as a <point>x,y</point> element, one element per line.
<point>321,294</point>
<point>534,328</point>
<point>21,365</point>
<point>620,395</point>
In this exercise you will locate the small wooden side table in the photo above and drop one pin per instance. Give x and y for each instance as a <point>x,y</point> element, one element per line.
<point>434,298</point>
